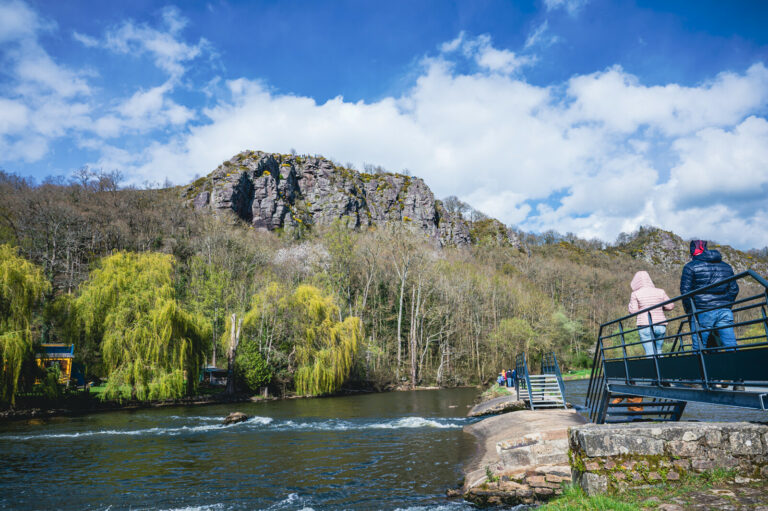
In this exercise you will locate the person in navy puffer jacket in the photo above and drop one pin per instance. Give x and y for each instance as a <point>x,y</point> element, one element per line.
<point>707,267</point>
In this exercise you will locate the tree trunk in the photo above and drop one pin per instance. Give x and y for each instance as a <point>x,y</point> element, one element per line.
<point>403,277</point>
<point>234,340</point>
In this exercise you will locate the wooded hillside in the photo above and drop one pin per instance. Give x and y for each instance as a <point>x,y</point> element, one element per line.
<point>428,314</point>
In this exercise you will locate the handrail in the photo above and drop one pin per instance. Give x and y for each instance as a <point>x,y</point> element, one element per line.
<point>627,371</point>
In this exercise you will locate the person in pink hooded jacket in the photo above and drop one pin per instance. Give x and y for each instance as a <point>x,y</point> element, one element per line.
<point>645,294</point>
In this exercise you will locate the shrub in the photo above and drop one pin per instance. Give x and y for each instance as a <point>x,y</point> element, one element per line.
<point>251,370</point>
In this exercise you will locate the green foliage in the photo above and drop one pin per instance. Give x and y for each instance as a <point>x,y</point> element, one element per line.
<point>49,384</point>
<point>324,345</point>
<point>149,344</point>
<point>22,287</point>
<point>251,368</point>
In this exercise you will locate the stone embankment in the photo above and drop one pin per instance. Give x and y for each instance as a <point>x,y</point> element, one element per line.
<point>619,457</point>
<point>522,457</point>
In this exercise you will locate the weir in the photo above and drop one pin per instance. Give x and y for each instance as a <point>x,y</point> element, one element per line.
<point>628,385</point>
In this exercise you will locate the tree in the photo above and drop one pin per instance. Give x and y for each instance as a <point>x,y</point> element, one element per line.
<point>22,287</point>
<point>324,346</point>
<point>149,344</point>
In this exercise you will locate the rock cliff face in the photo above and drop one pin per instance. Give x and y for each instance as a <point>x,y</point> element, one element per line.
<point>278,191</point>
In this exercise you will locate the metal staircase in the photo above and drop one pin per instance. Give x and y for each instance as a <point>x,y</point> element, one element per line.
<point>543,390</point>
<point>628,385</point>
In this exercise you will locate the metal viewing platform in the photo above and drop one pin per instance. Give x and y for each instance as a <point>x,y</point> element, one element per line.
<point>626,384</point>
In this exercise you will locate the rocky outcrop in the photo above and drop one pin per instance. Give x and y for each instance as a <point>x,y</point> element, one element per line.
<point>667,249</point>
<point>277,191</point>
<point>522,457</point>
<point>606,458</point>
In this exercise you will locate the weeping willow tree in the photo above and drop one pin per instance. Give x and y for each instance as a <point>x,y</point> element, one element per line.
<point>22,286</point>
<point>325,346</point>
<point>150,347</point>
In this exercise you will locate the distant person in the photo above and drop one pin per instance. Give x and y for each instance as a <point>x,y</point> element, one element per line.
<point>500,380</point>
<point>509,378</point>
<point>644,295</point>
<point>707,267</point>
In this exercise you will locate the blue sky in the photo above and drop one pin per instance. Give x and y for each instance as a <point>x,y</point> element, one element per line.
<point>587,116</point>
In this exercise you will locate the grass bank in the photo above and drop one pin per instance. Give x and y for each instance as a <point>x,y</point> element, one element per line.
<point>578,374</point>
<point>690,491</point>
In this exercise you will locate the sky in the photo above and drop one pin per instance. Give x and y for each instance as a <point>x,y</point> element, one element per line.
<point>586,116</point>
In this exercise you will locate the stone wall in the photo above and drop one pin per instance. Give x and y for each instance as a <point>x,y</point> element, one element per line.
<point>615,457</point>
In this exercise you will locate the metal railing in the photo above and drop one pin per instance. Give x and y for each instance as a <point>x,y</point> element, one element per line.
<point>620,358</point>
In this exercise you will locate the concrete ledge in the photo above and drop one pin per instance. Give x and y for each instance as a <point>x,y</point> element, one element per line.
<point>616,457</point>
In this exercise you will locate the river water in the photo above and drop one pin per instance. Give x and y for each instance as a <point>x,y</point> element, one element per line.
<point>373,451</point>
<point>398,450</point>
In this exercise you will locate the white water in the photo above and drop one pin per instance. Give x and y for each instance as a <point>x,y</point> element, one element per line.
<point>213,424</point>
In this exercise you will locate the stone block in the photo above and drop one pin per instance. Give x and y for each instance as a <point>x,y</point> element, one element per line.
<point>560,470</point>
<point>713,438</point>
<point>673,476</point>
<point>553,478</point>
<point>614,445</point>
<point>745,442</point>
<point>592,466</point>
<point>536,481</point>
<point>592,484</point>
<point>691,436</point>
<point>543,492</point>
<point>683,449</point>
<point>654,476</point>
<point>682,465</point>
<point>702,464</point>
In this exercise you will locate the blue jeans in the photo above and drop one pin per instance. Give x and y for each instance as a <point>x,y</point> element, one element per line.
<point>718,318</point>
<point>656,334</point>
<point>509,381</point>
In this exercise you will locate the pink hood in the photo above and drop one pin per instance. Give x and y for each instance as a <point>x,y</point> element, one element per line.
<point>641,279</point>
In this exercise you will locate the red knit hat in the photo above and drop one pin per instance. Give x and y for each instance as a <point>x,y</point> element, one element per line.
<point>698,247</point>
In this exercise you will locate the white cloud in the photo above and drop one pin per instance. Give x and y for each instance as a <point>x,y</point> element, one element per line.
<point>540,38</point>
<point>718,165</point>
<point>539,157</point>
<point>482,52</point>
<point>18,21</point>
<point>164,45</point>
<point>572,6</point>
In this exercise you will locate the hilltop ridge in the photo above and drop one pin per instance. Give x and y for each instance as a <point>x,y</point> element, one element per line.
<point>273,191</point>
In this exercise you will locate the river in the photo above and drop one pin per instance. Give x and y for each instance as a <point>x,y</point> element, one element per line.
<point>373,451</point>
<point>397,450</point>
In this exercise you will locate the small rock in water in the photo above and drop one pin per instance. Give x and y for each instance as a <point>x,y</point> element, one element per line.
<point>235,417</point>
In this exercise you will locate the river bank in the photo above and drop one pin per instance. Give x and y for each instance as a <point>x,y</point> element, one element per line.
<point>84,403</point>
